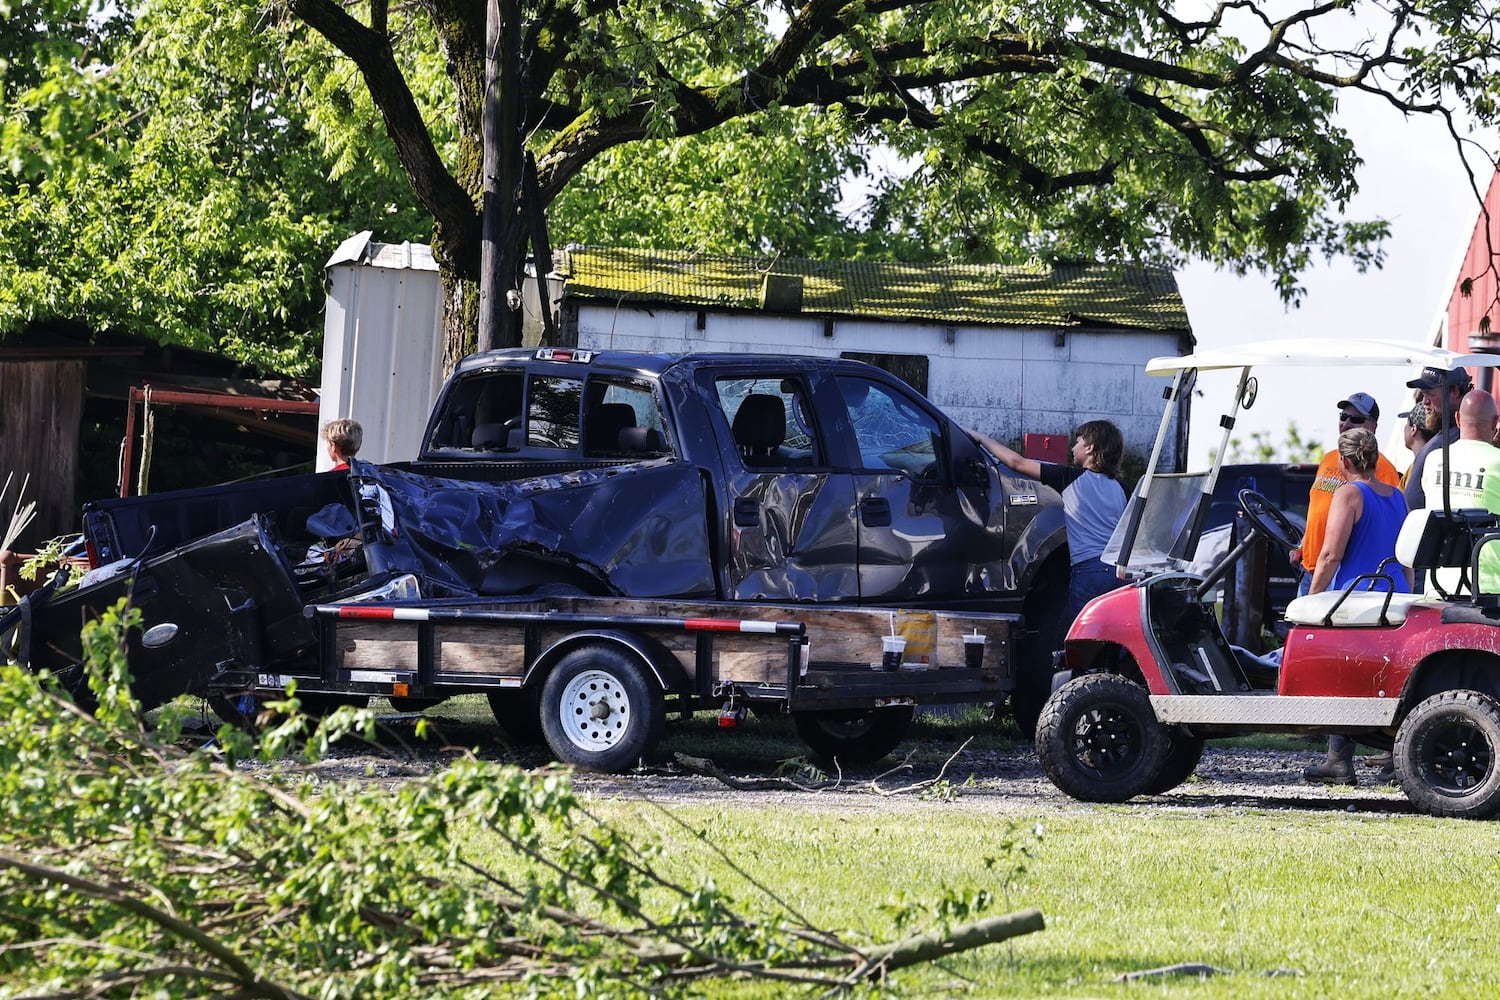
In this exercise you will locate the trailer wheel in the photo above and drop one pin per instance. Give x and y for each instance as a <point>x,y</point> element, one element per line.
<point>1447,755</point>
<point>519,714</point>
<point>600,709</point>
<point>1099,741</point>
<point>857,736</point>
<point>1183,755</point>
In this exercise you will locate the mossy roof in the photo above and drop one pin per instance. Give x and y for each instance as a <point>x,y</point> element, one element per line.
<point>1066,295</point>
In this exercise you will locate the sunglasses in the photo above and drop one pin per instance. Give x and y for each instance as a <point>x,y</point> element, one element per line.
<point>1352,418</point>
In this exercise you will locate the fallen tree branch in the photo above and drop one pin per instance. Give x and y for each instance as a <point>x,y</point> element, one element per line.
<point>934,945</point>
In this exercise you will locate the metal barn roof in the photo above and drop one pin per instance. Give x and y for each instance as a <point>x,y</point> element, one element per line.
<point>1066,295</point>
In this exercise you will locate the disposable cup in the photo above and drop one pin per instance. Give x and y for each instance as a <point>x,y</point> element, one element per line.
<point>973,651</point>
<point>894,646</point>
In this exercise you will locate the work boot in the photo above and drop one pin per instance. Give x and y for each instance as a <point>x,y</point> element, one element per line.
<point>1385,765</point>
<point>1338,769</point>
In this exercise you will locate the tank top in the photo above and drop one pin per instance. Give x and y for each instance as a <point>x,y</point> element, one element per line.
<point>1372,541</point>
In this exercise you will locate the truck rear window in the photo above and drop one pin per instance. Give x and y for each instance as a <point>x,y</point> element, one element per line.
<point>552,407</point>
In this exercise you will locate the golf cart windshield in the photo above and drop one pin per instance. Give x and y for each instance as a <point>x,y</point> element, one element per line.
<point>1165,515</point>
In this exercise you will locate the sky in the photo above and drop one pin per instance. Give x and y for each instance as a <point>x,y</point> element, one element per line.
<point>1411,177</point>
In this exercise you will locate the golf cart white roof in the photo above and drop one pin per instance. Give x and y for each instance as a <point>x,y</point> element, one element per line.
<point>1322,351</point>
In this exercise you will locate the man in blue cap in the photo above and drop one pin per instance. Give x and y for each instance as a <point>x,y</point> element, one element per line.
<point>1434,384</point>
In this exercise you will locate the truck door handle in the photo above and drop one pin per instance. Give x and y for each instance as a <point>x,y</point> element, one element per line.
<point>875,512</point>
<point>746,512</point>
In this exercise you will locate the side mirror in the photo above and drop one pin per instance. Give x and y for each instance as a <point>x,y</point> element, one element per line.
<point>973,472</point>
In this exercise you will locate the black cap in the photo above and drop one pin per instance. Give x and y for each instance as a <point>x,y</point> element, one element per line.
<point>1431,378</point>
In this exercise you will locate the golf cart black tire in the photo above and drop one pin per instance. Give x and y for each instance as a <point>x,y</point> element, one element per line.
<point>519,714</point>
<point>853,736</point>
<point>607,678</point>
<point>1183,755</point>
<point>1045,625</point>
<point>1447,755</point>
<point>1102,709</point>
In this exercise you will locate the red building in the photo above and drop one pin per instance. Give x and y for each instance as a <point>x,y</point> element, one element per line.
<point>1473,319</point>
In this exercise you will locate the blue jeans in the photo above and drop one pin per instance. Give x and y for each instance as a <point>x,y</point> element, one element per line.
<point>1086,581</point>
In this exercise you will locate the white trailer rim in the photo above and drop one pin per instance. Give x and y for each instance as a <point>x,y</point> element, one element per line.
<point>595,711</point>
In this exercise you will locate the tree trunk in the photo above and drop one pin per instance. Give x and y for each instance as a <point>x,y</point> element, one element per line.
<point>460,315</point>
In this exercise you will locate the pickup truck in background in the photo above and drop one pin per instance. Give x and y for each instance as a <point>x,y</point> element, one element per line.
<point>732,487</point>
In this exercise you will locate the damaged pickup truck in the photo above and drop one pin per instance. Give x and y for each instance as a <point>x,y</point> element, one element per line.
<point>568,501</point>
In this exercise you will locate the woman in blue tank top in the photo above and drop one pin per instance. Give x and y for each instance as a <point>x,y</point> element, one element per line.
<point>1363,522</point>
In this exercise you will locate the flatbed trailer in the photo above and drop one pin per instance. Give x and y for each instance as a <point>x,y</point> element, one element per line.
<point>596,677</point>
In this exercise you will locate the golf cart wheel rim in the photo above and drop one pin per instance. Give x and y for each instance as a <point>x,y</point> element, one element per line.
<point>594,710</point>
<point>1107,740</point>
<point>1457,759</point>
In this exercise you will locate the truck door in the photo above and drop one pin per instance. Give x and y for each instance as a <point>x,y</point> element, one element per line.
<point>789,535</point>
<point>929,514</point>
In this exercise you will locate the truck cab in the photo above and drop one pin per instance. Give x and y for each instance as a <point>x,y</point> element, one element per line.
<point>815,479</point>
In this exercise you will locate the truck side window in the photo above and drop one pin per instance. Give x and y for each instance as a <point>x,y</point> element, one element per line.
<point>552,407</point>
<point>622,419</point>
<point>770,420</point>
<point>892,431</point>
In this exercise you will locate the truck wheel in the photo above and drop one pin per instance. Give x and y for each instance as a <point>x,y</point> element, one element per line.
<point>600,710</point>
<point>858,736</point>
<point>1044,627</point>
<point>1183,754</point>
<point>519,714</point>
<point>1446,755</point>
<point>1099,740</point>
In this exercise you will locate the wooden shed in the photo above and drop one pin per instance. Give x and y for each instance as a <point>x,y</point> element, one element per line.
<point>68,394</point>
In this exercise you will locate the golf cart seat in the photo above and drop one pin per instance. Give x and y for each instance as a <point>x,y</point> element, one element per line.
<point>1418,547</point>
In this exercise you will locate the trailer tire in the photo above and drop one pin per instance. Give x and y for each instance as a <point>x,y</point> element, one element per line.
<point>854,736</point>
<point>601,710</point>
<point>1447,755</point>
<point>519,714</point>
<point>1098,739</point>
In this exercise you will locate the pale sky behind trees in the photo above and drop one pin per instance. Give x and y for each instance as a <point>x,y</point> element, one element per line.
<point>1411,177</point>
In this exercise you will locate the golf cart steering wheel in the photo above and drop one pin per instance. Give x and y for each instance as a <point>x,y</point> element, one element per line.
<point>1268,520</point>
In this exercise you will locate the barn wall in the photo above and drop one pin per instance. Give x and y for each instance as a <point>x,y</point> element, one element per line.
<point>41,403</point>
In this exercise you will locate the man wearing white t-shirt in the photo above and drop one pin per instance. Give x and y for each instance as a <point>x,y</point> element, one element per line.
<point>1473,483</point>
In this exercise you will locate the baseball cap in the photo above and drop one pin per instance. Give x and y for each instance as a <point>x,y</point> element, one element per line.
<point>1431,378</point>
<point>1362,402</point>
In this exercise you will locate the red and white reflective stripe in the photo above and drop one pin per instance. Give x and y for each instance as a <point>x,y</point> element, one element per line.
<point>728,625</point>
<point>385,614</point>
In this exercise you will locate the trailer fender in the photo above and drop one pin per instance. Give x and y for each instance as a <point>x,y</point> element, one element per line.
<point>660,660</point>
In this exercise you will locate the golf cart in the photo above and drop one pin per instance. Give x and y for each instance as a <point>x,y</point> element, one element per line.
<point>1147,674</point>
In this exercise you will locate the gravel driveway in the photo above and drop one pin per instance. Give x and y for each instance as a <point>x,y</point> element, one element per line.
<point>930,774</point>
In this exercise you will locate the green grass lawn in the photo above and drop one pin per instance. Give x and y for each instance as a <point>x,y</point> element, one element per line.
<point>1289,905</point>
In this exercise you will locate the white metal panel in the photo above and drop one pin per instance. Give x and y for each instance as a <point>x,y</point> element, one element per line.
<point>382,345</point>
